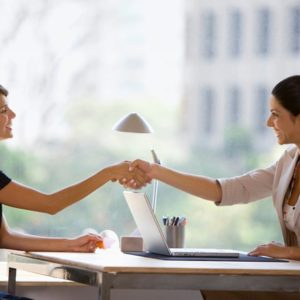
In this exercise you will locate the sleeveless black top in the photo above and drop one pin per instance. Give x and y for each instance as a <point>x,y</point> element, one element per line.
<point>4,181</point>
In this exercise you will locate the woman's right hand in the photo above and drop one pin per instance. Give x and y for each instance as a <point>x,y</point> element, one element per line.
<point>131,178</point>
<point>141,167</point>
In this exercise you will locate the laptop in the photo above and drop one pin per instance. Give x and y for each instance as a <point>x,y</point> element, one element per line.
<point>153,235</point>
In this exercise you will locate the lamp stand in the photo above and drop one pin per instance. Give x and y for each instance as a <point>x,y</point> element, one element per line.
<point>155,184</point>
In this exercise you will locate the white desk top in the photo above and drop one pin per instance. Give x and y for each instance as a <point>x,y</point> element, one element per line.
<point>118,262</point>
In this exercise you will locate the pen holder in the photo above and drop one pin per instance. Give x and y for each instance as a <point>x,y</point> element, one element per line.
<point>175,235</point>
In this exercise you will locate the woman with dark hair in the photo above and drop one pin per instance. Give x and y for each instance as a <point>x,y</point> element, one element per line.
<point>17,195</point>
<point>281,180</point>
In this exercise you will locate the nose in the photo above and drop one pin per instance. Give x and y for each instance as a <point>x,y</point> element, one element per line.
<point>12,114</point>
<point>270,122</point>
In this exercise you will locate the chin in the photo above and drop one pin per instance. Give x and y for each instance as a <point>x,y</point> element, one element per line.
<point>280,142</point>
<point>7,137</point>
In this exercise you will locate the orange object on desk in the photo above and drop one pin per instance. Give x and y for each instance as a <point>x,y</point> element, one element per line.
<point>100,244</point>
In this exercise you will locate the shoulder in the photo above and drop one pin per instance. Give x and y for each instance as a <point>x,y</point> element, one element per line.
<point>292,150</point>
<point>4,180</point>
<point>290,153</point>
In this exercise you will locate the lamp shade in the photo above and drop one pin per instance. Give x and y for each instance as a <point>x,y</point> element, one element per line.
<point>133,122</point>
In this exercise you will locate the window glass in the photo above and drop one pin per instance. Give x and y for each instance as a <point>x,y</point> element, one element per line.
<point>295,29</point>
<point>235,33</point>
<point>234,106</point>
<point>207,108</point>
<point>208,29</point>
<point>261,110</point>
<point>263,28</point>
<point>74,68</point>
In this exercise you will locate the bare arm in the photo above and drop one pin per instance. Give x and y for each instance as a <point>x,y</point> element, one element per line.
<point>200,186</point>
<point>13,240</point>
<point>17,195</point>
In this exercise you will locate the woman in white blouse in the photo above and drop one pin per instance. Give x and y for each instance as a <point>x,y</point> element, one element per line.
<point>281,180</point>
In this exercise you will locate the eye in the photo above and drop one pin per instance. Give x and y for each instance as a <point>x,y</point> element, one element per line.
<point>274,114</point>
<point>3,110</point>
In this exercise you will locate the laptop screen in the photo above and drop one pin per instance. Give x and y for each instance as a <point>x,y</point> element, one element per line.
<point>147,222</point>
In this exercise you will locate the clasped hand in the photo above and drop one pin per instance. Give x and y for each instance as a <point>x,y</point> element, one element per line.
<point>135,175</point>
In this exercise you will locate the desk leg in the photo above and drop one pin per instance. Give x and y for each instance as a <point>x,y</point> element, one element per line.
<point>107,284</point>
<point>12,273</point>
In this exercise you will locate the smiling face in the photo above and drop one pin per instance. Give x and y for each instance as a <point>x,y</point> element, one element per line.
<point>286,126</point>
<point>6,116</point>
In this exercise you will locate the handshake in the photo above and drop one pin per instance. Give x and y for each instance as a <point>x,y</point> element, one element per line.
<point>134,175</point>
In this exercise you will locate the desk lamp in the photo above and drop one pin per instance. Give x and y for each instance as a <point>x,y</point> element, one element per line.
<point>135,123</point>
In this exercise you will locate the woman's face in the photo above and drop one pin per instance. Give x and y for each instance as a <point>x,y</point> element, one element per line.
<point>286,126</point>
<point>6,116</point>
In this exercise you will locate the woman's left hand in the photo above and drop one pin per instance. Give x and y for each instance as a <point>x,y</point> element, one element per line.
<point>274,249</point>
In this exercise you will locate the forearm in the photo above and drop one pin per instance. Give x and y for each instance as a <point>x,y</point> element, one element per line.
<point>292,253</point>
<point>14,240</point>
<point>74,193</point>
<point>17,195</point>
<point>200,186</point>
<point>26,242</point>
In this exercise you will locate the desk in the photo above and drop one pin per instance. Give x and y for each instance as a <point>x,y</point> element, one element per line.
<point>111,269</point>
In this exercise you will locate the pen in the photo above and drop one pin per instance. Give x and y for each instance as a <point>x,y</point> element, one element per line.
<point>182,221</point>
<point>174,221</point>
<point>165,220</point>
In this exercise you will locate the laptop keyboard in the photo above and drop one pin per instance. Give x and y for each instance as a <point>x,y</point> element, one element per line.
<point>203,252</point>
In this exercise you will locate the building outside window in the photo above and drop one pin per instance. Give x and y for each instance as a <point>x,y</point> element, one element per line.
<point>208,106</point>
<point>261,109</point>
<point>263,31</point>
<point>235,31</point>
<point>294,31</point>
<point>234,106</point>
<point>188,36</point>
<point>209,35</point>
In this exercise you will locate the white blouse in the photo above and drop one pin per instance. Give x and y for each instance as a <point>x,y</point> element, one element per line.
<point>290,219</point>
<point>261,183</point>
<point>289,216</point>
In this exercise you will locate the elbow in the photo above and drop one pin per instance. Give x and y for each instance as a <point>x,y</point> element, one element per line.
<point>52,210</point>
<point>50,206</point>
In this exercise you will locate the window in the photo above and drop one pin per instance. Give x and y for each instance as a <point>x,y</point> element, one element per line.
<point>261,109</point>
<point>263,31</point>
<point>208,103</point>
<point>188,36</point>
<point>294,31</point>
<point>92,71</point>
<point>235,33</point>
<point>234,109</point>
<point>209,38</point>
